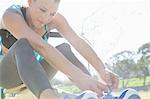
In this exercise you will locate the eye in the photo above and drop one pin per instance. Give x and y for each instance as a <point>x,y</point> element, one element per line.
<point>43,10</point>
<point>53,14</point>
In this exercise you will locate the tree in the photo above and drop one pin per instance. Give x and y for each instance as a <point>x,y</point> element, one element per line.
<point>144,62</point>
<point>123,64</point>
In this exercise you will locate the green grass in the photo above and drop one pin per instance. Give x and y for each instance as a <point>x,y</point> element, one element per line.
<point>70,88</point>
<point>134,82</point>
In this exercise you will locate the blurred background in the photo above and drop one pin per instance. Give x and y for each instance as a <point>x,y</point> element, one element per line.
<point>118,31</point>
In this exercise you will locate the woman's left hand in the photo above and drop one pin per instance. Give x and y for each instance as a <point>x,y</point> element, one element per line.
<point>110,78</point>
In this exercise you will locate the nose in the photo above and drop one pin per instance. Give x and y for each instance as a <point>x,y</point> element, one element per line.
<point>45,18</point>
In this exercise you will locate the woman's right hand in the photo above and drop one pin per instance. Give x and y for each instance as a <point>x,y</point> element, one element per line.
<point>88,83</point>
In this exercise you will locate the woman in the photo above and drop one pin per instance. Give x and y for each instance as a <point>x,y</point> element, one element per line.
<point>27,30</point>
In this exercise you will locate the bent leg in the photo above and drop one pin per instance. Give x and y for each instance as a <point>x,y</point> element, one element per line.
<point>28,70</point>
<point>67,52</point>
<point>9,77</point>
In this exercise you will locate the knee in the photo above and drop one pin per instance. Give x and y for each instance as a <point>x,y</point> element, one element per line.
<point>63,47</point>
<point>22,43</point>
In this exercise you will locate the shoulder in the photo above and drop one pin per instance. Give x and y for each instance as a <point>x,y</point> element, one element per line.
<point>13,9</point>
<point>13,12</point>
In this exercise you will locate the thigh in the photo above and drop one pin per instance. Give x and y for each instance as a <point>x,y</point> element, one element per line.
<point>9,76</point>
<point>50,71</point>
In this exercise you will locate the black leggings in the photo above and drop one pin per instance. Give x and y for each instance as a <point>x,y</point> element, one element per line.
<point>20,66</point>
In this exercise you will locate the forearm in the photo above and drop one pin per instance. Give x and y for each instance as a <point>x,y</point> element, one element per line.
<point>88,53</point>
<point>58,61</point>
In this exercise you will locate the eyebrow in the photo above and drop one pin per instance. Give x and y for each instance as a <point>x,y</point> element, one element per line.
<point>44,8</point>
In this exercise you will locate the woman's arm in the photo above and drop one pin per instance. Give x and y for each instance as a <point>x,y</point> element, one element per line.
<point>17,26</point>
<point>80,45</point>
<point>86,51</point>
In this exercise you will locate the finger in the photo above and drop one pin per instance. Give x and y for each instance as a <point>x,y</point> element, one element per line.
<point>100,88</point>
<point>100,93</point>
<point>106,88</point>
<point>115,82</point>
<point>99,97</point>
<point>103,89</point>
<point>112,80</point>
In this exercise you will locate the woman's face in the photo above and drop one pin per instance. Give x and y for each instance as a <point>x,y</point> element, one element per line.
<point>42,11</point>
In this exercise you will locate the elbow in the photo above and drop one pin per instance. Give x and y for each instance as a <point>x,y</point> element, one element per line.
<point>39,45</point>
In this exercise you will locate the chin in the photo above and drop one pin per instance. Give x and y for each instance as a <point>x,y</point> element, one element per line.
<point>38,25</point>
